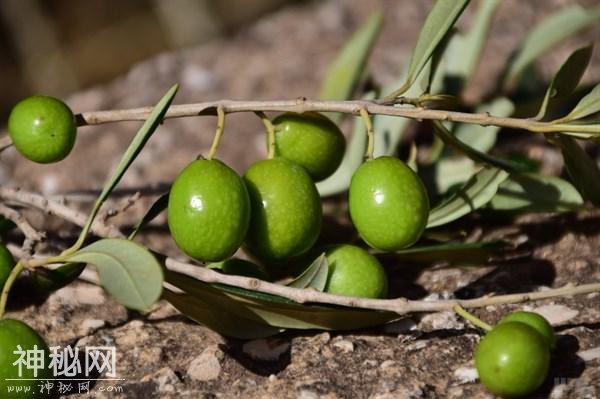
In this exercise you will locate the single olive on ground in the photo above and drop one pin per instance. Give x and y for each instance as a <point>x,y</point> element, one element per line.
<point>512,359</point>
<point>536,321</point>
<point>311,140</point>
<point>388,204</point>
<point>241,267</point>
<point>286,210</point>
<point>208,211</point>
<point>14,336</point>
<point>7,263</point>
<point>355,272</point>
<point>43,129</point>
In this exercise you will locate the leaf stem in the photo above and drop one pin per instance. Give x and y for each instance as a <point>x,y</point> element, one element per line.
<point>218,133</point>
<point>364,114</point>
<point>471,318</point>
<point>12,277</point>
<point>270,129</point>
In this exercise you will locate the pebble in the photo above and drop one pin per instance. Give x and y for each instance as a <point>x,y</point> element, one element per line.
<point>88,326</point>
<point>165,379</point>
<point>205,367</point>
<point>344,345</point>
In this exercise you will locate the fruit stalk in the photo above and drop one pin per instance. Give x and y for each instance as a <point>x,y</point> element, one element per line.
<point>270,133</point>
<point>364,114</point>
<point>218,133</point>
<point>471,318</point>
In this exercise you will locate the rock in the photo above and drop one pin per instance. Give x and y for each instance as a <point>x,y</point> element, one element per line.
<point>88,326</point>
<point>165,379</point>
<point>344,345</point>
<point>556,314</point>
<point>441,321</point>
<point>205,367</point>
<point>466,375</point>
<point>80,294</point>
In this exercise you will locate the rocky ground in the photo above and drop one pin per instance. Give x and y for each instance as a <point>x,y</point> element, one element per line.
<point>162,354</point>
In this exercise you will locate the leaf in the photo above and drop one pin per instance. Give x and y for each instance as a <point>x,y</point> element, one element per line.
<point>582,169</point>
<point>224,323</point>
<point>546,35</point>
<point>156,209</point>
<point>588,105</point>
<point>315,275</point>
<point>339,181</point>
<point>272,310</point>
<point>128,271</point>
<point>474,194</point>
<point>534,192</point>
<point>439,21</point>
<point>567,78</point>
<point>453,252</point>
<point>345,72</point>
<point>48,280</point>
<point>140,139</point>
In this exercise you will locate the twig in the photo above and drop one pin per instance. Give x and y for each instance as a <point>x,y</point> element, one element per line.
<point>123,207</point>
<point>399,305</point>
<point>32,236</point>
<point>349,107</point>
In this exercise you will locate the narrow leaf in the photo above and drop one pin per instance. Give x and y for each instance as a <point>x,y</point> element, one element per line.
<point>128,271</point>
<point>588,105</point>
<point>453,252</point>
<point>315,275</point>
<point>547,34</point>
<point>140,139</point>
<point>439,21</point>
<point>582,169</point>
<point>345,72</point>
<point>536,193</point>
<point>156,209</point>
<point>48,280</point>
<point>567,78</point>
<point>474,194</point>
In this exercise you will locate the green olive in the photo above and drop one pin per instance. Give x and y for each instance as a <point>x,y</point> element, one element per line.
<point>286,210</point>
<point>43,129</point>
<point>355,272</point>
<point>209,210</point>
<point>311,140</point>
<point>536,321</point>
<point>7,262</point>
<point>14,333</point>
<point>512,360</point>
<point>388,204</point>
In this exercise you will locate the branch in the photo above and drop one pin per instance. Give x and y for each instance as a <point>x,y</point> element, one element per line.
<point>32,236</point>
<point>348,107</point>
<point>398,305</point>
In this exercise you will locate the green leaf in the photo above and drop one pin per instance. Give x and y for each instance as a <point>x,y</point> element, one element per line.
<point>534,192</point>
<point>474,194</point>
<point>582,169</point>
<point>315,275</point>
<point>271,310</point>
<point>48,280</point>
<point>354,156</point>
<point>128,271</point>
<point>156,209</point>
<point>453,252</point>
<point>546,35</point>
<point>588,105</point>
<point>439,21</point>
<point>140,139</point>
<point>224,323</point>
<point>345,72</point>
<point>567,78</point>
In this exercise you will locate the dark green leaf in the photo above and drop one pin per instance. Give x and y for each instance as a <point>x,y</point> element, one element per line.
<point>453,252</point>
<point>156,209</point>
<point>534,192</point>
<point>440,20</point>
<point>582,169</point>
<point>315,275</point>
<point>475,193</point>
<point>128,271</point>
<point>588,105</point>
<point>547,34</point>
<point>567,78</point>
<point>140,139</point>
<point>48,280</point>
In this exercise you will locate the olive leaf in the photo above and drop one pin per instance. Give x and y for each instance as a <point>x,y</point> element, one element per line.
<point>535,192</point>
<point>567,78</point>
<point>588,105</point>
<point>315,275</point>
<point>582,169</point>
<point>452,252</point>
<point>138,142</point>
<point>439,21</point>
<point>223,322</point>
<point>48,280</point>
<point>155,209</point>
<point>474,194</point>
<point>346,70</point>
<point>546,35</point>
<point>128,271</point>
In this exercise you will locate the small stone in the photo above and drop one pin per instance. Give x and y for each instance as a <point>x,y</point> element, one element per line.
<point>205,367</point>
<point>272,378</point>
<point>556,314</point>
<point>466,375</point>
<point>76,295</point>
<point>88,326</point>
<point>164,378</point>
<point>441,321</point>
<point>266,348</point>
<point>344,345</point>
<point>387,364</point>
<point>306,394</point>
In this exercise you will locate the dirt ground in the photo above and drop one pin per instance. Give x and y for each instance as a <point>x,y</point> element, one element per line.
<point>162,354</point>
